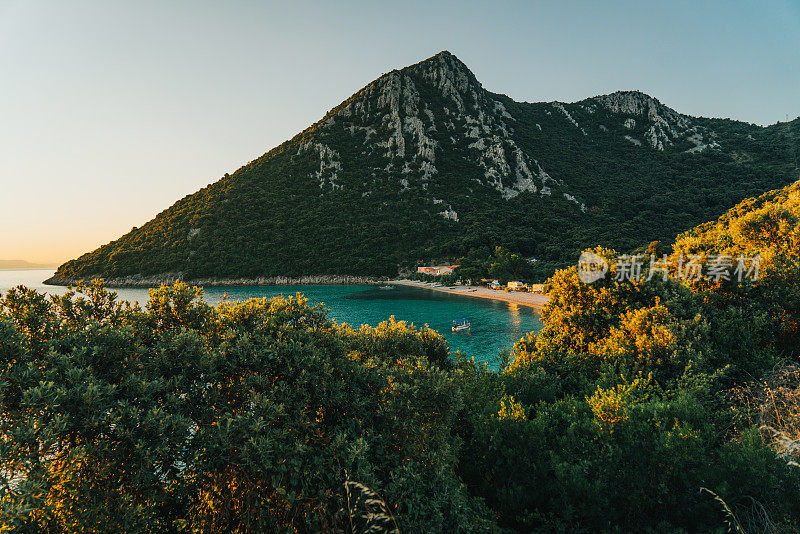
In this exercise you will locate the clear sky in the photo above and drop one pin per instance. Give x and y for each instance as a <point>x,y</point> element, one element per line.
<point>111,111</point>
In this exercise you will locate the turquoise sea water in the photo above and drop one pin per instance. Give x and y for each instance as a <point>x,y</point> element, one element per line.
<point>495,325</point>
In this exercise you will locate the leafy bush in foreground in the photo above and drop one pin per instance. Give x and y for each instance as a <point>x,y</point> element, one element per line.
<point>635,395</point>
<point>658,406</point>
<point>241,418</point>
<point>265,416</point>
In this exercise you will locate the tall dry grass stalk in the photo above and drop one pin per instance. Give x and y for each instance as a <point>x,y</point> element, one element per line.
<point>367,512</point>
<point>773,405</point>
<point>750,517</point>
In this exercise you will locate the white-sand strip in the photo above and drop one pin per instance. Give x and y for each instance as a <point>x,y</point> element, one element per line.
<point>534,300</point>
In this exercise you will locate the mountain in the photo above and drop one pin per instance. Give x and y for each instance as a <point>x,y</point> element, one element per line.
<point>22,264</point>
<point>424,164</point>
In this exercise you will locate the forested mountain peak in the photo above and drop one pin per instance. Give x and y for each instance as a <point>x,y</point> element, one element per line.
<point>424,164</point>
<point>409,116</point>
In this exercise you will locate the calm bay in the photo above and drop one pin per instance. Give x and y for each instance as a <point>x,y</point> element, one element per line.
<point>496,325</point>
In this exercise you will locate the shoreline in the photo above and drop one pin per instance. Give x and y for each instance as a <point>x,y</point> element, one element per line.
<point>532,300</point>
<point>139,281</point>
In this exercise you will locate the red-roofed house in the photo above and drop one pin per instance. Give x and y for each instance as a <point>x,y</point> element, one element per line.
<point>437,270</point>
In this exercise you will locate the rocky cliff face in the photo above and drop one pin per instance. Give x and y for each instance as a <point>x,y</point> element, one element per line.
<point>393,117</point>
<point>424,164</point>
<point>659,126</point>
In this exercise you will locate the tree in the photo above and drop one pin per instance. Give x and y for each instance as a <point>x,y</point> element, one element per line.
<point>506,266</point>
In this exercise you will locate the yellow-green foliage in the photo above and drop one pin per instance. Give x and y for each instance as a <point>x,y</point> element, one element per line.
<point>510,410</point>
<point>651,337</point>
<point>768,225</point>
<point>396,339</point>
<point>627,393</point>
<point>627,322</point>
<point>611,405</point>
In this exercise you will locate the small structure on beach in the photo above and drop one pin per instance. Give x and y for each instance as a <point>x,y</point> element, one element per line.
<point>437,270</point>
<point>515,286</point>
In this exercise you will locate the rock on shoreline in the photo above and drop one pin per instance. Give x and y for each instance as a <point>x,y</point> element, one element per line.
<point>138,280</point>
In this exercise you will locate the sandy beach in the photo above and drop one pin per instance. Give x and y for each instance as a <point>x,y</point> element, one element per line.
<point>534,300</point>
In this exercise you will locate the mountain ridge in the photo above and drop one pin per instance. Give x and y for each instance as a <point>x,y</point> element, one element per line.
<point>424,164</point>
<point>24,264</point>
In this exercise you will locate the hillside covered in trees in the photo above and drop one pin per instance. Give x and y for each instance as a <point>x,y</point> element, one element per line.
<point>424,165</point>
<point>641,406</point>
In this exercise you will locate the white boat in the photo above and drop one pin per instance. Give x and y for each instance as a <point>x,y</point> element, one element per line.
<point>461,325</point>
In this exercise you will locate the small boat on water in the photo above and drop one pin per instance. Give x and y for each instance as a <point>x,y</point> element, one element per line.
<point>386,287</point>
<point>460,325</point>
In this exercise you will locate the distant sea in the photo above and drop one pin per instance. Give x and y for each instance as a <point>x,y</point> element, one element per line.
<point>496,325</point>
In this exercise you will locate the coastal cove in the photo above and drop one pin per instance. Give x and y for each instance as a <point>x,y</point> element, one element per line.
<point>496,324</point>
